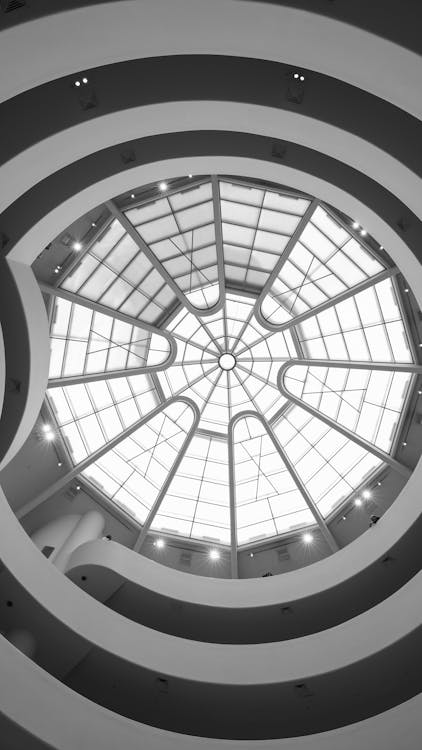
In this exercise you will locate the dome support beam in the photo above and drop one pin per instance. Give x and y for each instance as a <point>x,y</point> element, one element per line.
<point>371,281</point>
<point>218,237</point>
<point>103,310</point>
<point>131,231</point>
<point>401,469</point>
<point>284,256</point>
<point>82,465</point>
<point>170,476</point>
<point>325,531</point>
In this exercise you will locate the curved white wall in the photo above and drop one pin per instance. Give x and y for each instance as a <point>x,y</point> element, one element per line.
<point>112,32</point>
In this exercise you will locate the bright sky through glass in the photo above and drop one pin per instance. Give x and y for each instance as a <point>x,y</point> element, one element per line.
<point>201,296</point>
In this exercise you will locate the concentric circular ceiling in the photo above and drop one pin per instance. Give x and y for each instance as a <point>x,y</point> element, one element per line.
<point>230,360</point>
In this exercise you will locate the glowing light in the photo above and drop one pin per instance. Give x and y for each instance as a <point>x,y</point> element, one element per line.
<point>77,83</point>
<point>308,538</point>
<point>358,502</point>
<point>214,554</point>
<point>46,427</point>
<point>77,246</point>
<point>355,225</point>
<point>366,494</point>
<point>159,543</point>
<point>49,435</point>
<point>163,186</point>
<point>84,80</point>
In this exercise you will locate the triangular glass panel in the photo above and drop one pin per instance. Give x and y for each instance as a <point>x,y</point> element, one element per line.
<point>366,327</point>
<point>133,473</point>
<point>179,230</point>
<point>367,402</point>
<point>89,415</point>
<point>267,499</point>
<point>325,262</point>
<point>257,225</point>
<point>330,465</point>
<point>197,502</point>
<point>86,343</point>
<point>116,273</point>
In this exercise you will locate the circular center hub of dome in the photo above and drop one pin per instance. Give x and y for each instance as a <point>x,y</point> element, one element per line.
<point>227,361</point>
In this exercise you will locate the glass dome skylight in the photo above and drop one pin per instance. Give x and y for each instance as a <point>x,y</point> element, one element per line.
<point>230,361</point>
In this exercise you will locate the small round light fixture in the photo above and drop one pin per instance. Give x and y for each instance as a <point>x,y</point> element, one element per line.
<point>366,494</point>
<point>358,502</point>
<point>227,361</point>
<point>355,225</point>
<point>46,427</point>
<point>159,543</point>
<point>214,554</point>
<point>85,80</point>
<point>49,435</point>
<point>77,84</point>
<point>163,186</point>
<point>308,538</point>
<point>77,246</point>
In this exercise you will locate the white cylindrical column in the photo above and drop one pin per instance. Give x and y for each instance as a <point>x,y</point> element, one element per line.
<point>89,527</point>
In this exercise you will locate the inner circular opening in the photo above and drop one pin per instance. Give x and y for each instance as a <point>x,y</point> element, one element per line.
<point>227,361</point>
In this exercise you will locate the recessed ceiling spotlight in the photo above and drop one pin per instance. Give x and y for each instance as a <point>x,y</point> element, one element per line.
<point>363,232</point>
<point>404,443</point>
<point>190,176</point>
<point>379,484</point>
<point>46,427</point>
<point>132,195</point>
<point>77,246</point>
<point>159,543</point>
<point>419,393</point>
<point>93,224</point>
<point>250,554</point>
<point>308,538</point>
<point>163,186</point>
<point>49,435</point>
<point>406,289</point>
<point>420,345</point>
<point>77,83</point>
<point>366,494</point>
<point>78,487</point>
<point>355,225</point>
<point>381,247</point>
<point>59,463</point>
<point>84,80</point>
<point>214,554</point>
<point>296,75</point>
<point>358,502</point>
<point>302,78</point>
<point>344,518</point>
